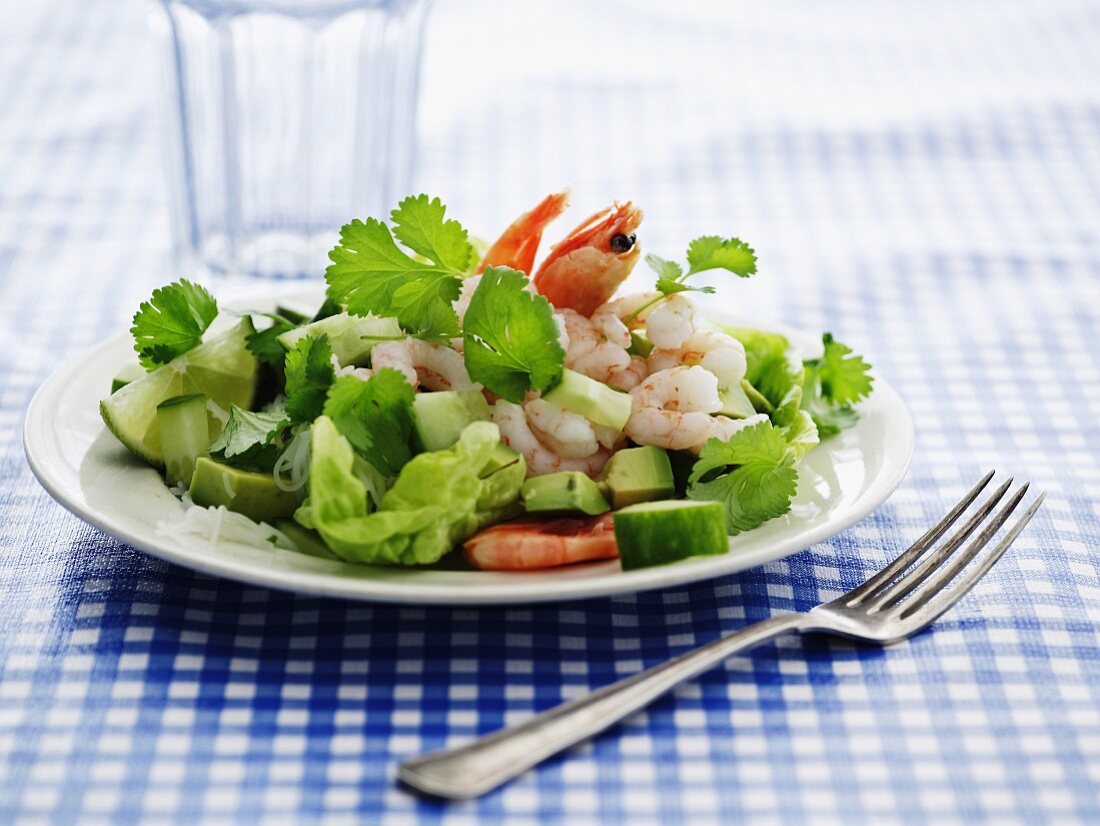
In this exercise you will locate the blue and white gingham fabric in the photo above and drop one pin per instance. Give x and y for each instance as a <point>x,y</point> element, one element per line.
<point>921,178</point>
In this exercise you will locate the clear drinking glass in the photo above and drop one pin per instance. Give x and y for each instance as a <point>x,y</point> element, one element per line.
<point>287,118</point>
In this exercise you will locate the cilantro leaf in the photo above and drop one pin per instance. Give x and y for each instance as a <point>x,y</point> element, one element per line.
<point>250,440</point>
<point>264,344</point>
<point>710,252</point>
<point>511,340</point>
<point>419,225</point>
<point>755,479</point>
<point>832,384</point>
<point>370,274</point>
<point>666,270</point>
<point>844,376</point>
<point>309,373</point>
<point>172,322</point>
<point>375,416</point>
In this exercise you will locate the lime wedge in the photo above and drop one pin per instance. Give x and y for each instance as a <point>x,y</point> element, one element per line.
<point>222,369</point>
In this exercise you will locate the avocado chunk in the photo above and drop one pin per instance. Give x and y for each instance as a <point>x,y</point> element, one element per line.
<point>657,533</point>
<point>502,457</point>
<point>351,337</point>
<point>440,417</point>
<point>254,494</point>
<point>638,474</point>
<point>569,491</point>
<point>308,542</point>
<point>129,373</point>
<point>736,403</point>
<point>592,399</point>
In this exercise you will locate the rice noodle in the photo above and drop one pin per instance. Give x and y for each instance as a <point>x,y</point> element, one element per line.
<point>292,467</point>
<point>214,525</point>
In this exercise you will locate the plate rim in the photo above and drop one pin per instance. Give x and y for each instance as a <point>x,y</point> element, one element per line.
<point>501,593</point>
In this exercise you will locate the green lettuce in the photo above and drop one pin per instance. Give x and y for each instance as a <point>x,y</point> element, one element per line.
<point>438,500</point>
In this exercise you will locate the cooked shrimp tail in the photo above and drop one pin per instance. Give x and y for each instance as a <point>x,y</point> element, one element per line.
<point>532,544</point>
<point>584,269</point>
<point>519,244</point>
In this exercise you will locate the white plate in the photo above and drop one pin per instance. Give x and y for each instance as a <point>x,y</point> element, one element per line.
<point>85,469</point>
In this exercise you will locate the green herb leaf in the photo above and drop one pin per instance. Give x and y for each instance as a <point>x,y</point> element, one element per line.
<point>710,252</point>
<point>832,384</point>
<point>511,340</point>
<point>250,440</point>
<point>845,377</point>
<point>375,416</point>
<point>756,476</point>
<point>309,373</point>
<point>172,322</point>
<point>666,270</point>
<point>265,345</point>
<point>419,225</point>
<point>371,274</point>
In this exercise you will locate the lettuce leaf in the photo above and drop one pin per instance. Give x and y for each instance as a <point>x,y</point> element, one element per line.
<point>438,500</point>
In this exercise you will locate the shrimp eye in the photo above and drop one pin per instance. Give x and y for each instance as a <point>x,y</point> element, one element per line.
<point>623,243</point>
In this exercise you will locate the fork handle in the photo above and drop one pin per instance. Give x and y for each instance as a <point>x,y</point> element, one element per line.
<point>481,765</point>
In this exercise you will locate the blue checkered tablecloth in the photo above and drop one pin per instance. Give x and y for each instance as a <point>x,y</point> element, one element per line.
<point>921,178</point>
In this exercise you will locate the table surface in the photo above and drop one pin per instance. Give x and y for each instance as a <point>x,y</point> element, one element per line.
<point>921,179</point>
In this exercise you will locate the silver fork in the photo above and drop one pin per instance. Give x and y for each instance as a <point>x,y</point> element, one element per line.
<point>903,598</point>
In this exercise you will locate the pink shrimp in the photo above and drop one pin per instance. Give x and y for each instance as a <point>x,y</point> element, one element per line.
<point>584,270</point>
<point>530,544</point>
<point>519,244</point>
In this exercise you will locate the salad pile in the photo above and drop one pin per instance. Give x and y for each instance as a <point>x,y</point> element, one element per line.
<point>450,394</point>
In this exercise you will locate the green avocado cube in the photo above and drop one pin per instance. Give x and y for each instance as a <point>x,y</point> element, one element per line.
<point>254,494</point>
<point>638,474</point>
<point>569,491</point>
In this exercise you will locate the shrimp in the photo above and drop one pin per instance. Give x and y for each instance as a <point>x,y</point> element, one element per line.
<point>718,353</point>
<point>588,350</point>
<point>518,435</point>
<point>519,244</point>
<point>361,373</point>
<point>434,366</point>
<point>630,376</point>
<point>671,322</point>
<point>568,434</point>
<point>584,270</point>
<point>632,309</point>
<point>529,544</point>
<point>672,409</point>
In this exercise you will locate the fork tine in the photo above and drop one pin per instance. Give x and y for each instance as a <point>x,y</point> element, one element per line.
<point>906,557</point>
<point>929,610</point>
<point>934,560</point>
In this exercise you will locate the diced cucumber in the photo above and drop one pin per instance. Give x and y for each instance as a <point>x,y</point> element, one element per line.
<point>592,399</point>
<point>440,417</point>
<point>351,337</point>
<point>254,494</point>
<point>129,373</point>
<point>657,533</point>
<point>184,435</point>
<point>569,491</point>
